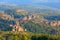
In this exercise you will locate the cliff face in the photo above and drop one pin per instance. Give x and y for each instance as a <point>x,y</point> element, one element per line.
<point>17,27</point>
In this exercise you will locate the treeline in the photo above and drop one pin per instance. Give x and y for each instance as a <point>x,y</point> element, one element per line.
<point>26,36</point>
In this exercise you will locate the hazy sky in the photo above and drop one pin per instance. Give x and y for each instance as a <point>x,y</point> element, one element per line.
<point>28,1</point>
<point>51,3</point>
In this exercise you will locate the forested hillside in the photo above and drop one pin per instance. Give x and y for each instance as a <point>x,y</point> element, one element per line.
<point>35,21</point>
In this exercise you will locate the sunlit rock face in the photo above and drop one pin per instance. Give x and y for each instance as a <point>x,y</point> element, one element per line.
<point>21,11</point>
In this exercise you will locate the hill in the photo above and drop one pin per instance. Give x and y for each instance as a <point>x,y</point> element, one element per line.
<point>35,19</point>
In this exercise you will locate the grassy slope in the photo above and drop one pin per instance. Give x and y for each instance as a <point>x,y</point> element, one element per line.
<point>26,36</point>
